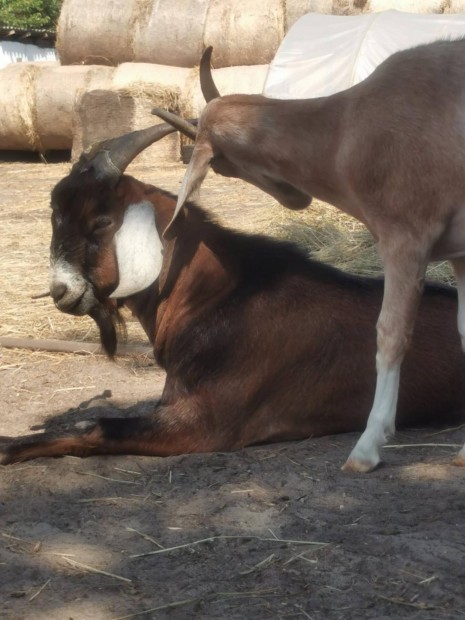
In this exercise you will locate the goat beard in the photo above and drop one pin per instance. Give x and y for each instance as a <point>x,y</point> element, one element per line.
<point>110,323</point>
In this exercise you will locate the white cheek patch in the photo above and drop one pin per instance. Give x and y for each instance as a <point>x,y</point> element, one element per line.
<point>138,250</point>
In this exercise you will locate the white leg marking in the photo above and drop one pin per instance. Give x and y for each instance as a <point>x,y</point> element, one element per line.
<point>138,250</point>
<point>404,268</point>
<point>381,421</point>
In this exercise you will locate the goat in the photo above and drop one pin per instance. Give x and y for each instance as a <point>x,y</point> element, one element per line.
<point>389,151</point>
<point>254,336</point>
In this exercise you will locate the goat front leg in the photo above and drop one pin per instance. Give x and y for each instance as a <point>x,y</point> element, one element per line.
<point>459,271</point>
<point>404,277</point>
<point>170,430</point>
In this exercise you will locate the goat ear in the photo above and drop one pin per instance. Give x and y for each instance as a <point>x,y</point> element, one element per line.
<point>167,276</point>
<point>195,174</point>
<point>163,278</point>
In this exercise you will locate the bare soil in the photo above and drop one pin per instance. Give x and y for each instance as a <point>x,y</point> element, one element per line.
<point>270,532</point>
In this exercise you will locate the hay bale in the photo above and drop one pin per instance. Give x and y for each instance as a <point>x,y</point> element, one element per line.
<point>56,91</point>
<point>241,32</point>
<point>172,35</point>
<point>152,31</point>
<point>37,101</point>
<point>408,6</point>
<point>90,32</point>
<point>126,106</point>
<point>294,9</point>
<point>18,122</point>
<point>104,114</point>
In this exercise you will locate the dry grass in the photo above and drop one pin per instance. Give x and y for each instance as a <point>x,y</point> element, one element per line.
<point>25,236</point>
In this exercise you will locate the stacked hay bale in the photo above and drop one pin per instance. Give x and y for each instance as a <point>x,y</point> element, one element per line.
<point>241,32</point>
<point>37,103</point>
<point>136,54</point>
<point>126,105</point>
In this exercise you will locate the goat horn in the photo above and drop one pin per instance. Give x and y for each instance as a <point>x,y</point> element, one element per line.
<point>110,158</point>
<point>188,128</point>
<point>207,85</point>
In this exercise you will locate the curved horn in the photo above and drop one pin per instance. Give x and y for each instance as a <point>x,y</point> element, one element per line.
<point>110,158</point>
<point>207,85</point>
<point>186,127</point>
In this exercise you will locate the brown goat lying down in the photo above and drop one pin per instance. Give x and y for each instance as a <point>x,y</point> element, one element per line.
<point>259,342</point>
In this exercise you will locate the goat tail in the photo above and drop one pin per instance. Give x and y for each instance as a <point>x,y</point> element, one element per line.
<point>207,85</point>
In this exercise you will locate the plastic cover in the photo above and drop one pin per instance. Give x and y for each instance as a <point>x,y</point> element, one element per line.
<point>324,54</point>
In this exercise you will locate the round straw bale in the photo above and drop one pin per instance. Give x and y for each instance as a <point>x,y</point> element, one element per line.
<point>56,91</point>
<point>294,9</point>
<point>104,114</point>
<point>455,6</point>
<point>37,101</point>
<point>90,32</point>
<point>18,123</point>
<point>172,35</point>
<point>247,80</point>
<point>243,32</point>
<point>157,31</point>
<point>408,6</point>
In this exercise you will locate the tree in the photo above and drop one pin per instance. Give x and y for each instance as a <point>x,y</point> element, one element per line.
<point>30,13</point>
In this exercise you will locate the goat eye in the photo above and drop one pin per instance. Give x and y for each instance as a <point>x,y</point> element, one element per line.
<point>102,222</point>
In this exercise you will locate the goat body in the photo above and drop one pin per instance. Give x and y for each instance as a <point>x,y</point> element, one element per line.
<point>391,152</point>
<point>259,343</point>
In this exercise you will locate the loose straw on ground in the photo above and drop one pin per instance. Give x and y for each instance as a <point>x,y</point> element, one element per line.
<point>226,537</point>
<point>92,569</point>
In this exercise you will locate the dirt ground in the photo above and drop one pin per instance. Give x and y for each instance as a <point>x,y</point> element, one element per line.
<point>270,532</point>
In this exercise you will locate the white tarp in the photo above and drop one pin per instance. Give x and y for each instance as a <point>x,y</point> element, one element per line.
<point>13,51</point>
<point>324,54</point>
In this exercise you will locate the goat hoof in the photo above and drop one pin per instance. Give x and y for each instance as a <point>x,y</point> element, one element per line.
<point>358,466</point>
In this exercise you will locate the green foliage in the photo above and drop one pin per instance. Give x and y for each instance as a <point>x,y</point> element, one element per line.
<point>30,13</point>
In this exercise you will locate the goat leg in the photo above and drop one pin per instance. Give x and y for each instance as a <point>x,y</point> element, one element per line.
<point>145,436</point>
<point>402,292</point>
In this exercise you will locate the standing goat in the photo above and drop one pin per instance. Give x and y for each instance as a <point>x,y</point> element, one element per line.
<point>391,152</point>
<point>259,343</point>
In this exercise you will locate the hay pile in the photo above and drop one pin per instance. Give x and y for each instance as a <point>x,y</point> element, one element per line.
<point>337,239</point>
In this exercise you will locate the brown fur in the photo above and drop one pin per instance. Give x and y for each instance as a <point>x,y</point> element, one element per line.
<point>262,344</point>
